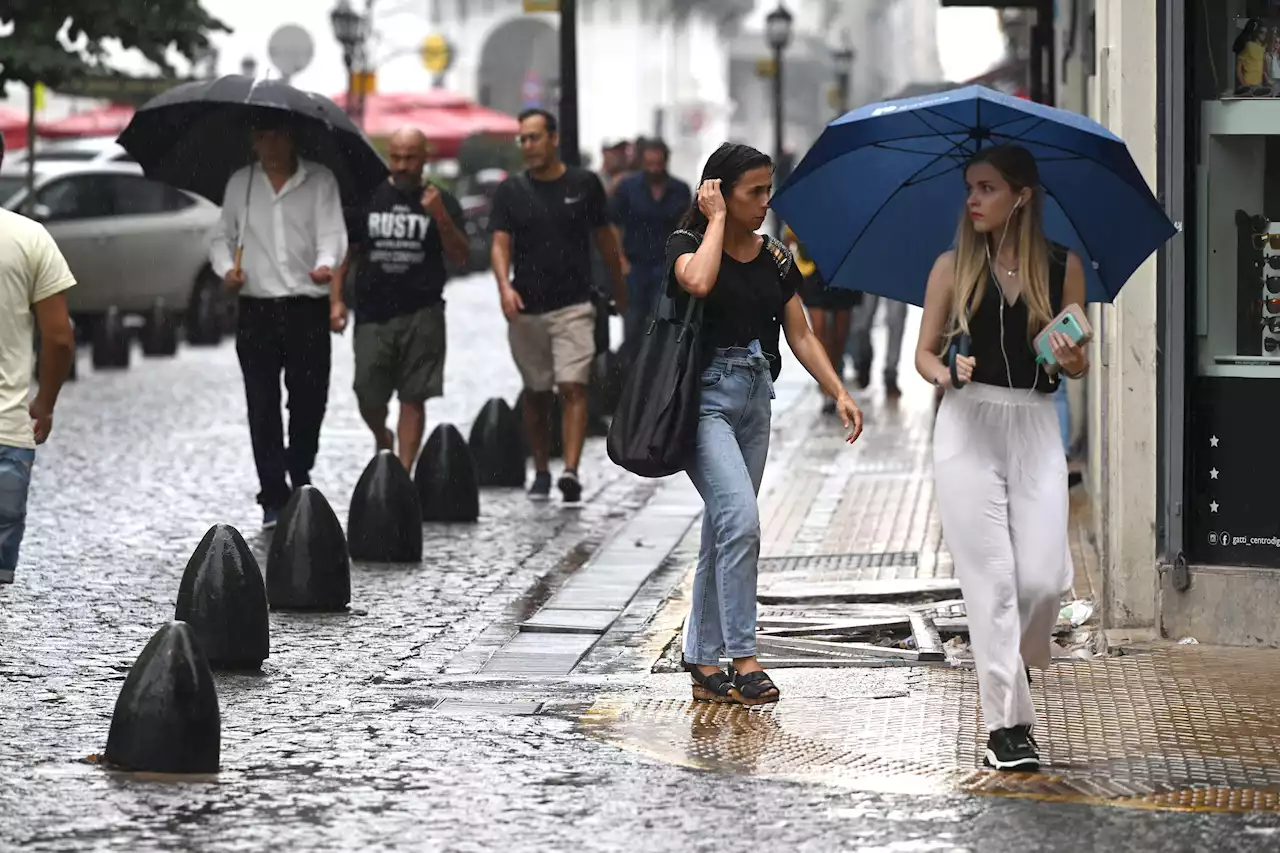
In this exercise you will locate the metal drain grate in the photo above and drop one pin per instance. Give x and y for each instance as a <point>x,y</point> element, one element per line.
<point>825,563</point>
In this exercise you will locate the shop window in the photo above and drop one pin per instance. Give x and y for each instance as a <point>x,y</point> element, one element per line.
<point>1237,83</point>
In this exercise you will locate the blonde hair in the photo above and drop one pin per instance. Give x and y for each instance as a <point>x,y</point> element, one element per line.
<point>1026,227</point>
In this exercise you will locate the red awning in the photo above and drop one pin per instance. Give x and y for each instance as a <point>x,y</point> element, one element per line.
<point>445,117</point>
<point>105,121</point>
<point>13,124</point>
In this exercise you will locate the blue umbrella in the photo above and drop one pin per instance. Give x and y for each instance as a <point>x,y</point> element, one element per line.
<point>879,195</point>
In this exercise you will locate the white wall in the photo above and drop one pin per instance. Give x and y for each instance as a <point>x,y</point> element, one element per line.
<point>1124,380</point>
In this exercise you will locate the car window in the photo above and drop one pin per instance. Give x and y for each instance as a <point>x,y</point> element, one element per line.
<point>76,197</point>
<point>175,199</point>
<point>133,195</point>
<point>65,156</point>
<point>10,186</point>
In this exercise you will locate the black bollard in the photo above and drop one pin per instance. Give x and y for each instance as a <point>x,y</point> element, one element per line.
<point>160,332</point>
<point>446,478</point>
<point>224,600</point>
<point>166,718</point>
<point>496,444</point>
<point>111,342</point>
<point>384,524</point>
<point>308,567</point>
<point>557,426</point>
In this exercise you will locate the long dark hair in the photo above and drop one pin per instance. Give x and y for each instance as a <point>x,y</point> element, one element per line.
<point>1246,35</point>
<point>728,164</point>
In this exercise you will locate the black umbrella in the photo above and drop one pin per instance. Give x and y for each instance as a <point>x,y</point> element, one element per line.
<point>195,136</point>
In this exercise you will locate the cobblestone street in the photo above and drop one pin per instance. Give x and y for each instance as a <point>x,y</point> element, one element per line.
<point>362,732</point>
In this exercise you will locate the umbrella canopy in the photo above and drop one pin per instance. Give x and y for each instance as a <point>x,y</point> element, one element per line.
<point>195,136</point>
<point>446,118</point>
<point>879,195</point>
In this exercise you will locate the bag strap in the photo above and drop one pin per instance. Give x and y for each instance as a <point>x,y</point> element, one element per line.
<point>695,304</point>
<point>781,255</point>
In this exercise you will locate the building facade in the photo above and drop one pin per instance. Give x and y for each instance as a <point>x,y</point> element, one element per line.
<point>1182,401</point>
<point>509,60</point>
<point>894,44</point>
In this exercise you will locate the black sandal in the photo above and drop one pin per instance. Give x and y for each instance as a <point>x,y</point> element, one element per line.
<point>755,688</point>
<point>714,687</point>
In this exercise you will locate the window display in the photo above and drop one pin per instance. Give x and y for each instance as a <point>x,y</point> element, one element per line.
<point>1237,86</point>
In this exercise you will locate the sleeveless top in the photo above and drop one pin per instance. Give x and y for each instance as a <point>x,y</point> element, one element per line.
<point>986,331</point>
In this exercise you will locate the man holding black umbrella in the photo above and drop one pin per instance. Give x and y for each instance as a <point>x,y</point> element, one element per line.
<point>281,236</point>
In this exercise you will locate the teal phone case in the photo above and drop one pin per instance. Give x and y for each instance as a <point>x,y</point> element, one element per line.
<point>1068,326</point>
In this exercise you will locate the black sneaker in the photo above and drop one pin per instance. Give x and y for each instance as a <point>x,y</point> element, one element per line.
<point>541,488</point>
<point>570,488</point>
<point>1026,730</point>
<point>1012,749</point>
<point>270,517</point>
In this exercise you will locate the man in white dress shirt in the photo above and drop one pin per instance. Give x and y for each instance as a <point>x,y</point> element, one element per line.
<point>291,228</point>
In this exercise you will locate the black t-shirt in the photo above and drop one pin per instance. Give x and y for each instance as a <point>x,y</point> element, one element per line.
<point>996,335</point>
<point>402,267</point>
<point>747,302</point>
<point>551,224</point>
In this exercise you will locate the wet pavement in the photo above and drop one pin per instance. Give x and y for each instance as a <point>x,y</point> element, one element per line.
<point>357,735</point>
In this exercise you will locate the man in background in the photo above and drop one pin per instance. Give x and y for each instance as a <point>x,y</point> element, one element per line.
<point>402,236</point>
<point>647,206</point>
<point>860,349</point>
<point>34,278</point>
<point>294,237</point>
<point>544,221</point>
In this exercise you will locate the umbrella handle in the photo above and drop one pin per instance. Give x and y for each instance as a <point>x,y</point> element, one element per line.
<point>239,258</point>
<point>960,346</point>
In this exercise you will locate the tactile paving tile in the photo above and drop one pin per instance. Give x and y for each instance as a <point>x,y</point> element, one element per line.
<point>1189,728</point>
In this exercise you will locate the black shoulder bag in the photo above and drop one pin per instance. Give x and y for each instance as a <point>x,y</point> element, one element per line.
<point>654,430</point>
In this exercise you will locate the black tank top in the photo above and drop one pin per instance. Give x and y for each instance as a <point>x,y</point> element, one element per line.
<point>985,331</point>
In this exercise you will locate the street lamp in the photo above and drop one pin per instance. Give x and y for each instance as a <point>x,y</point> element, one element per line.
<point>842,58</point>
<point>349,30</point>
<point>777,30</point>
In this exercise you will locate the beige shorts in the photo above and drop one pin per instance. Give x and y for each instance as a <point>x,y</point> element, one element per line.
<point>555,348</point>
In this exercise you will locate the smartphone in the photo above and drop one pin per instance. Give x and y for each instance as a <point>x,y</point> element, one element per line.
<point>1072,322</point>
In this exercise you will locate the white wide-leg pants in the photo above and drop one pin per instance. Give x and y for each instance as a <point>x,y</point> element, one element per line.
<point>1001,481</point>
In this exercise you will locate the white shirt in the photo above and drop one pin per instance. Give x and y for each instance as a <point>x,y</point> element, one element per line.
<point>31,270</point>
<point>286,234</point>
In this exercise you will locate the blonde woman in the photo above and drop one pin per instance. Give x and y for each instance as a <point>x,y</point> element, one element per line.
<point>999,469</point>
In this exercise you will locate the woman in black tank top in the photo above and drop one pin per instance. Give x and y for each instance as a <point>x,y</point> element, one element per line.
<point>999,469</point>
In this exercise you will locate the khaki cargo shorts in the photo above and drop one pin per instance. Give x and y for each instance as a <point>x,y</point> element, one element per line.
<point>555,348</point>
<point>405,356</point>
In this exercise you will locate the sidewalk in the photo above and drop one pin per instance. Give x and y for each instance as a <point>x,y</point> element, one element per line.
<point>1164,726</point>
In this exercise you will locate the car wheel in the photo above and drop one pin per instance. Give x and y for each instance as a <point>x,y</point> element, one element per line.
<point>206,318</point>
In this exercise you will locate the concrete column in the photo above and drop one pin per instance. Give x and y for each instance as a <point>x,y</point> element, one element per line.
<point>1125,379</point>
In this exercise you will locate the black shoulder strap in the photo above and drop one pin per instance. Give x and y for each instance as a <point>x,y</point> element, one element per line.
<point>1057,275</point>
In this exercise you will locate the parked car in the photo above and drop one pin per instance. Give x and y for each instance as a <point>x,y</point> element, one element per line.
<point>477,206</point>
<point>129,241</point>
<point>87,149</point>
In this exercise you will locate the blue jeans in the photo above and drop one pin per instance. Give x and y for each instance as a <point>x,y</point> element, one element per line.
<point>15,479</point>
<point>733,442</point>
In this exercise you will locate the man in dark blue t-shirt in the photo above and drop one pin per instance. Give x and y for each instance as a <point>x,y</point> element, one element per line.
<point>544,220</point>
<point>401,236</point>
<point>648,206</point>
